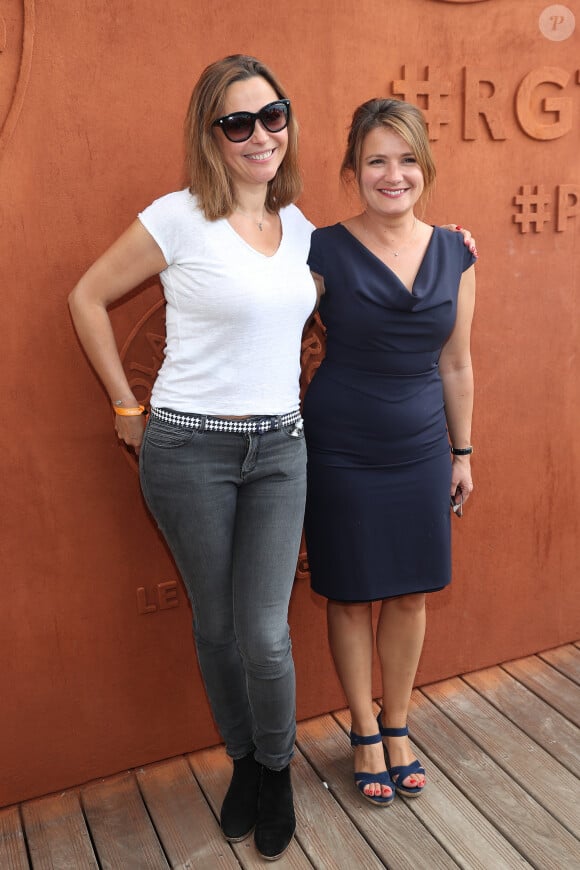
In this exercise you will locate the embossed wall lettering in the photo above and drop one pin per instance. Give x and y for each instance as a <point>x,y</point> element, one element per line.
<point>312,353</point>
<point>546,101</point>
<point>484,97</point>
<point>426,92</point>
<point>535,207</point>
<point>534,204</point>
<point>16,42</point>
<point>162,596</point>
<point>532,105</point>
<point>568,204</point>
<point>142,352</point>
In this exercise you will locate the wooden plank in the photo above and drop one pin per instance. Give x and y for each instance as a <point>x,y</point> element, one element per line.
<point>13,854</point>
<point>498,744</point>
<point>57,834</point>
<point>550,784</point>
<point>120,825</point>
<point>323,830</point>
<point>542,840</point>
<point>399,840</point>
<point>213,771</point>
<point>550,685</point>
<point>565,659</point>
<point>539,720</point>
<point>184,822</point>
<point>461,829</point>
<point>458,825</point>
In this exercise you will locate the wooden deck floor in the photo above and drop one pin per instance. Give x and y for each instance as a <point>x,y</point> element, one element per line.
<point>502,752</point>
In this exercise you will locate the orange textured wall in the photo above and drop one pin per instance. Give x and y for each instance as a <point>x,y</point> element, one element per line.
<point>98,669</point>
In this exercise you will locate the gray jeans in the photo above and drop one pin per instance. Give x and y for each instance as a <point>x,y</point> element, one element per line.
<point>231,507</point>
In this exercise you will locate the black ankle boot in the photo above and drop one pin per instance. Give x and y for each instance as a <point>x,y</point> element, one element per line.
<point>276,820</point>
<point>240,807</point>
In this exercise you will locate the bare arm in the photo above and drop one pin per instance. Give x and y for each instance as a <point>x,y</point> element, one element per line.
<point>457,377</point>
<point>320,288</point>
<point>131,259</point>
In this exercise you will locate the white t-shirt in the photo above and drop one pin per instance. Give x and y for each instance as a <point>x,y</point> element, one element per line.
<point>234,317</point>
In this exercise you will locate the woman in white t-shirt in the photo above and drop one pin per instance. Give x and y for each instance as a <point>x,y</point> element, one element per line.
<point>222,457</point>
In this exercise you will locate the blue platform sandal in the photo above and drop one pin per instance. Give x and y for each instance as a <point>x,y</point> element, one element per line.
<point>361,778</point>
<point>402,771</point>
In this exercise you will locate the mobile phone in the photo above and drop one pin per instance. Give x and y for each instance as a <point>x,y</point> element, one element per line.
<point>457,504</point>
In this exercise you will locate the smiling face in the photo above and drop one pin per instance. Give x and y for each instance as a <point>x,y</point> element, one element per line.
<point>255,161</point>
<point>390,179</point>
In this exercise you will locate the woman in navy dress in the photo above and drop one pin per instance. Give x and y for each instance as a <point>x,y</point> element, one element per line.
<point>392,398</point>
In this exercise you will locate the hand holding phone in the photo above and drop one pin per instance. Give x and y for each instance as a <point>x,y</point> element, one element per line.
<point>457,503</point>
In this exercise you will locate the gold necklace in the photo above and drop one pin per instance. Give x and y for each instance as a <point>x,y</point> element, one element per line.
<point>396,253</point>
<point>260,223</point>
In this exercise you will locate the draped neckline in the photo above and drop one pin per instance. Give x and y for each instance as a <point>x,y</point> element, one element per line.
<point>408,291</point>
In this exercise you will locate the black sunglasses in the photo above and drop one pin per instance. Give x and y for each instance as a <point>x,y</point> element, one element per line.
<point>239,126</point>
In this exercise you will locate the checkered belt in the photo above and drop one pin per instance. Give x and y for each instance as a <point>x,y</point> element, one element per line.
<point>221,424</point>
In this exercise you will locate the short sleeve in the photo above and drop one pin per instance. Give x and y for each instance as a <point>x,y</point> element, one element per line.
<point>165,218</point>
<point>315,257</point>
<point>468,259</point>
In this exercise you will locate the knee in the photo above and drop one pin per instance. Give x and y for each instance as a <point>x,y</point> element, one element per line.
<point>266,653</point>
<point>408,604</point>
<point>214,632</point>
<point>349,615</point>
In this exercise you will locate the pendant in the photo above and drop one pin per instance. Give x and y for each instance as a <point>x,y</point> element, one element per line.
<point>395,253</point>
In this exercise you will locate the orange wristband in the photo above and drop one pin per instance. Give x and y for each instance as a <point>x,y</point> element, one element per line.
<point>129,412</point>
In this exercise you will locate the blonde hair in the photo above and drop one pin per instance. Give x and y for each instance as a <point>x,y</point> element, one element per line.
<point>208,177</point>
<point>403,118</point>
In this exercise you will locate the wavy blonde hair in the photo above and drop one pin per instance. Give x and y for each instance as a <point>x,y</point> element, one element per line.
<point>208,177</point>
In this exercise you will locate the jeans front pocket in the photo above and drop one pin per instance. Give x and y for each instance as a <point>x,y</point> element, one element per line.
<point>294,430</point>
<point>167,436</point>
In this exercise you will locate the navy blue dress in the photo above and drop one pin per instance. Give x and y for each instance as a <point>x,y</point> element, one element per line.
<point>379,469</point>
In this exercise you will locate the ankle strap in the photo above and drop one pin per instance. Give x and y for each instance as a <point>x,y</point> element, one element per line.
<point>391,732</point>
<point>357,740</point>
<point>394,732</point>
